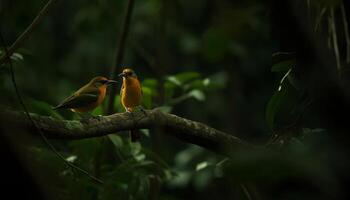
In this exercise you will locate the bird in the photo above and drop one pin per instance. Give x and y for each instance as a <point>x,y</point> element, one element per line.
<point>131,96</point>
<point>88,97</point>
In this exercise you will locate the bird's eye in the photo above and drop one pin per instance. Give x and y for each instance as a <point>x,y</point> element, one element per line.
<point>127,74</point>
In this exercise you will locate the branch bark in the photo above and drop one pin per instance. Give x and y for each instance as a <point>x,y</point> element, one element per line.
<point>181,128</point>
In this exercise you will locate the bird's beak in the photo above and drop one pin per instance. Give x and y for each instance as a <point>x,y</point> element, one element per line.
<point>111,82</point>
<point>122,74</point>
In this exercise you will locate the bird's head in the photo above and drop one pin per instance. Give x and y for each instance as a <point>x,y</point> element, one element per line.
<point>101,81</point>
<point>128,73</point>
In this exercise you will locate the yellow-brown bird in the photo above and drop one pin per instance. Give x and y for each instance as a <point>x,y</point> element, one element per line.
<point>88,97</point>
<point>131,95</point>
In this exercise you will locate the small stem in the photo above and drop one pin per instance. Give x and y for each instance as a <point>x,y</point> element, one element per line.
<point>319,18</point>
<point>346,32</point>
<point>246,192</point>
<point>335,40</point>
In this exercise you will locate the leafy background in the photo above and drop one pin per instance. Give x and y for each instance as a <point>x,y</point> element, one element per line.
<point>247,68</point>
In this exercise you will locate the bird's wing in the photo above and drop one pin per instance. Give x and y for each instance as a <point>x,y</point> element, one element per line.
<point>79,100</point>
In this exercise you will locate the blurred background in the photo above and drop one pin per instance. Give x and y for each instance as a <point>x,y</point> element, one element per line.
<point>273,73</point>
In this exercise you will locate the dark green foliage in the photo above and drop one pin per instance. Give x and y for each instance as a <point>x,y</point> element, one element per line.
<point>208,61</point>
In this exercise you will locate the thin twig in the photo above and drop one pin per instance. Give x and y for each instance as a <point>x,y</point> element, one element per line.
<point>13,78</point>
<point>309,10</point>
<point>42,13</point>
<point>346,33</point>
<point>246,191</point>
<point>119,54</point>
<point>335,40</point>
<point>319,18</point>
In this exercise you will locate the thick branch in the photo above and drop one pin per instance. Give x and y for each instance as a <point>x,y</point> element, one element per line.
<point>183,129</point>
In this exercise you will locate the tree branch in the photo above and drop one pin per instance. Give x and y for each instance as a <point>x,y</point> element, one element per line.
<point>42,13</point>
<point>181,128</point>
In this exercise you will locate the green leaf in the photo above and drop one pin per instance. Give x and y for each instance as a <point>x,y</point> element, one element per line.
<point>97,111</point>
<point>184,157</point>
<point>218,80</point>
<point>206,81</point>
<point>116,140</point>
<point>187,76</point>
<point>286,75</point>
<point>283,66</point>
<point>201,165</point>
<point>174,80</point>
<point>145,132</point>
<point>140,157</point>
<point>147,97</point>
<point>181,180</point>
<point>201,84</point>
<point>117,105</point>
<point>215,43</point>
<point>135,148</point>
<point>272,107</point>
<point>294,81</point>
<point>182,78</point>
<point>197,94</point>
<point>43,108</point>
<point>24,51</point>
<point>166,109</point>
<point>150,83</point>
<point>169,89</point>
<point>16,57</point>
<point>71,158</point>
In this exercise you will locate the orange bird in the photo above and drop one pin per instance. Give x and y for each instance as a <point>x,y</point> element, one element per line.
<point>131,95</point>
<point>88,97</point>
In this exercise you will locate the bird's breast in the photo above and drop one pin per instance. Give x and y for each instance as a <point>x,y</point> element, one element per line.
<point>102,95</point>
<point>131,95</point>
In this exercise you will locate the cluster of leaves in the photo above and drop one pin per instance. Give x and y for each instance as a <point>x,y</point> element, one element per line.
<point>15,56</point>
<point>177,88</point>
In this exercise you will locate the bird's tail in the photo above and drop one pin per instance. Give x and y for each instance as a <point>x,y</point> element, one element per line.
<point>135,135</point>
